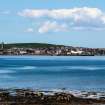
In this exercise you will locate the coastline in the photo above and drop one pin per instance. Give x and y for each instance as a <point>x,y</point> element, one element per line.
<point>48,50</point>
<point>40,97</point>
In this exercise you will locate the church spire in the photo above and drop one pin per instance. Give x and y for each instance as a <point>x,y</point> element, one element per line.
<point>2,45</point>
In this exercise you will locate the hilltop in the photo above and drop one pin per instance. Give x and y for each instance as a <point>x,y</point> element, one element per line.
<point>30,45</point>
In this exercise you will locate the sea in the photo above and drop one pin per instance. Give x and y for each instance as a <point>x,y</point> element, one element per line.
<point>53,72</point>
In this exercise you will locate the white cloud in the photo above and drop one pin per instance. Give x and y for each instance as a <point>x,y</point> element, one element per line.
<point>75,18</point>
<point>49,26</point>
<point>33,13</point>
<point>30,30</point>
<point>62,13</point>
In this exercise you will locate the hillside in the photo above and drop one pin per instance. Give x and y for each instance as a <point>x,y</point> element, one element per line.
<point>30,45</point>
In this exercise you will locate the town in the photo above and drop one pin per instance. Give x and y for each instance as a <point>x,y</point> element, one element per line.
<point>48,49</point>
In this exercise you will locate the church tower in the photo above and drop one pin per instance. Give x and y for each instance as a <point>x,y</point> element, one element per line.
<point>2,45</point>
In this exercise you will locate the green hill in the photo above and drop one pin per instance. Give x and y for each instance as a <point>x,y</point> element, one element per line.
<point>30,45</point>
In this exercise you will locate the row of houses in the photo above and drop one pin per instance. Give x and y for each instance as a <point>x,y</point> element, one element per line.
<point>40,51</point>
<point>54,51</point>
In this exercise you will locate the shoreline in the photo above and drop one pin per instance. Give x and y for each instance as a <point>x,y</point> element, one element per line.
<point>48,49</point>
<point>86,94</point>
<point>53,97</point>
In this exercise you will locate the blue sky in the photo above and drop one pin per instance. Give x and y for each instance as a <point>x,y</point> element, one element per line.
<point>68,22</point>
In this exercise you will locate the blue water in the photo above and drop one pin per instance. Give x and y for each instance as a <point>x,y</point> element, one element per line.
<point>45,72</point>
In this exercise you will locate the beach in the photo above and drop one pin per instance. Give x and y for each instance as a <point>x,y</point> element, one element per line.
<point>32,97</point>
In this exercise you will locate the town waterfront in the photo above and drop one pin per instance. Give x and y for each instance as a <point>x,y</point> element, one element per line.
<point>46,72</point>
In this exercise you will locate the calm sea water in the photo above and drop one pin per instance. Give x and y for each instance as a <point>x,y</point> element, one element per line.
<point>44,72</point>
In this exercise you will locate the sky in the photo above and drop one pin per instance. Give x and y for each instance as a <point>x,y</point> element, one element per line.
<point>69,22</point>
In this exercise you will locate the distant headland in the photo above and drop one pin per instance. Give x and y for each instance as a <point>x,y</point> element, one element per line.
<point>48,49</point>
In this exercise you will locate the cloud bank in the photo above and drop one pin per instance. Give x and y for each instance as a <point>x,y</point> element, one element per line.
<point>49,26</point>
<point>62,19</point>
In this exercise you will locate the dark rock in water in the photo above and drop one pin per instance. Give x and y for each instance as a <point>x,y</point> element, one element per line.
<point>29,97</point>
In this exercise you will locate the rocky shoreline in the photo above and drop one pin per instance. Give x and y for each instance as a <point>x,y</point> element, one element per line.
<point>32,97</point>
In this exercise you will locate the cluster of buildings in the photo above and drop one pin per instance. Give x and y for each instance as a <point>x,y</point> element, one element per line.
<point>53,51</point>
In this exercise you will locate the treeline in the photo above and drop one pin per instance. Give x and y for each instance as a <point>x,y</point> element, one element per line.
<point>29,45</point>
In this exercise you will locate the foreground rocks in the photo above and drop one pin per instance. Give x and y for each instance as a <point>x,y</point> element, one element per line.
<point>29,97</point>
